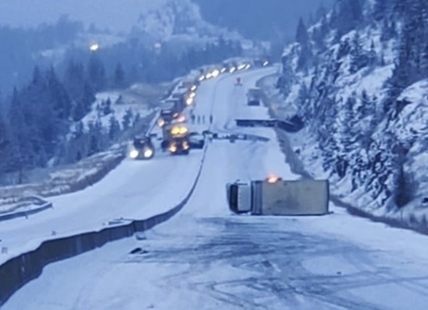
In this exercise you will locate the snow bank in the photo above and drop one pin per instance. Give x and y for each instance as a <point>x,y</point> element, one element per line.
<point>85,173</point>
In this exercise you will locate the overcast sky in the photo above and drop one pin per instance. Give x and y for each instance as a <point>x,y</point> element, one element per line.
<point>115,14</point>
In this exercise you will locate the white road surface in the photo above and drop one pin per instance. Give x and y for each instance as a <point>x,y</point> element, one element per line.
<point>207,258</point>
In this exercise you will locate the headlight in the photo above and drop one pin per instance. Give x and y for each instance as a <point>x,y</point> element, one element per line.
<point>134,154</point>
<point>233,69</point>
<point>161,122</point>
<point>215,73</point>
<point>192,95</point>
<point>148,153</point>
<point>193,88</point>
<point>223,70</point>
<point>185,145</point>
<point>189,101</point>
<point>173,148</point>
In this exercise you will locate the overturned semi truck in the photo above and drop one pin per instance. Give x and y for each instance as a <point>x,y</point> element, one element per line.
<point>275,196</point>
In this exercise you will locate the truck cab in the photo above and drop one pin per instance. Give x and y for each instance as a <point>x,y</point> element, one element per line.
<point>254,97</point>
<point>176,139</point>
<point>142,148</point>
<point>239,196</point>
<point>167,116</point>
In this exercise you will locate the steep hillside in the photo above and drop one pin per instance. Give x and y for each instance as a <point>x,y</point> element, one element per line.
<point>357,79</point>
<point>177,19</point>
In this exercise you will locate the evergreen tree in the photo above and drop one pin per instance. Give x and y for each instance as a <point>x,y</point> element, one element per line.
<point>127,120</point>
<point>74,80</point>
<point>302,36</point>
<point>344,49</point>
<point>107,107</point>
<point>303,104</point>
<point>424,60</point>
<point>88,97</point>
<point>78,111</point>
<point>349,16</point>
<point>114,129</point>
<point>5,145</point>
<point>372,56</point>
<point>95,131</point>
<point>346,126</point>
<point>20,137</point>
<point>96,73</point>
<point>380,9</point>
<point>119,77</point>
<point>321,12</point>
<point>359,58</point>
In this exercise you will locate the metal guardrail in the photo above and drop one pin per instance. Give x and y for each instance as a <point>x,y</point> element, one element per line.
<point>32,200</point>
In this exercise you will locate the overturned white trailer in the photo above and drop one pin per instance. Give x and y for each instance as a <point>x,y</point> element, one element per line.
<point>275,196</point>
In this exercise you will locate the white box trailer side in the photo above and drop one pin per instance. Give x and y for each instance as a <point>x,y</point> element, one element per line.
<point>297,197</point>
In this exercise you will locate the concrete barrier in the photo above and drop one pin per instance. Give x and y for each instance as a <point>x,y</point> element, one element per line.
<point>20,270</point>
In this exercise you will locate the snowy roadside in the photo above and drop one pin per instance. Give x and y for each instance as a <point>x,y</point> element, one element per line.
<point>75,178</point>
<point>138,100</point>
<point>303,160</point>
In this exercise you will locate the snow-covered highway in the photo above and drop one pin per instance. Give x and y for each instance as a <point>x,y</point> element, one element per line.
<point>134,190</point>
<point>206,258</point>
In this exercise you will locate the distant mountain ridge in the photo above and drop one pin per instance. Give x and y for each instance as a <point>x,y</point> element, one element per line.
<point>259,19</point>
<point>177,19</point>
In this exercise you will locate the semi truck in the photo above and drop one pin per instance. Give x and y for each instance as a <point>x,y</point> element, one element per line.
<point>254,97</point>
<point>176,139</point>
<point>167,116</point>
<point>274,196</point>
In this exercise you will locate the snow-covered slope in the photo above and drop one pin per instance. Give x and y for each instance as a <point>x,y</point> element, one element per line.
<point>365,124</point>
<point>177,19</point>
